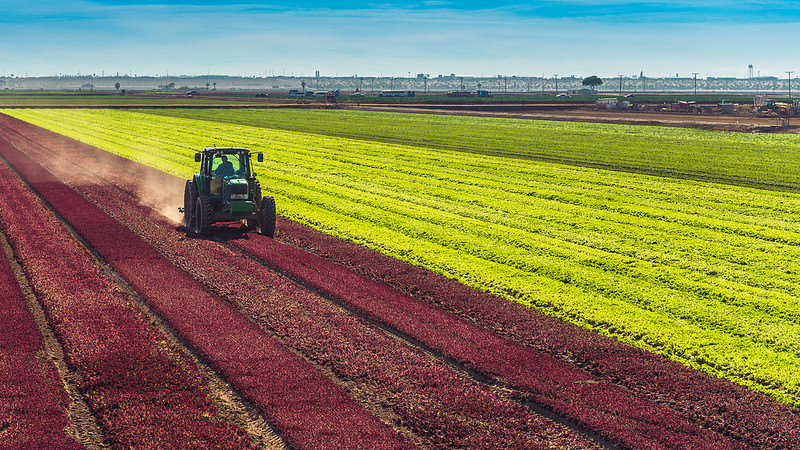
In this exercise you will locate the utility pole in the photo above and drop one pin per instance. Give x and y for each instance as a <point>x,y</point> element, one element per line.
<point>556,77</point>
<point>695,85</point>
<point>620,85</point>
<point>788,111</point>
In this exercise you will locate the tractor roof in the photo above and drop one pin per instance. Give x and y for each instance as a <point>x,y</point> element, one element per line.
<point>227,150</point>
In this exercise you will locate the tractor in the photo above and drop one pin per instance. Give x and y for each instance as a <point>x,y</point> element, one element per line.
<point>226,190</point>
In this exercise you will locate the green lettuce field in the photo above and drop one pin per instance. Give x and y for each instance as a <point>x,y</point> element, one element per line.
<point>682,242</point>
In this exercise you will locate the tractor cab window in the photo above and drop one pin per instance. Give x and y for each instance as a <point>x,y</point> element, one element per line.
<point>223,165</point>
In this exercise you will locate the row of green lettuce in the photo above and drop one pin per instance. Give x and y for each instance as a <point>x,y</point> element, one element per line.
<point>704,273</point>
<point>760,160</point>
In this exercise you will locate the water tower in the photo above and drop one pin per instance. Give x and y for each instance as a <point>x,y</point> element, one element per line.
<point>750,71</point>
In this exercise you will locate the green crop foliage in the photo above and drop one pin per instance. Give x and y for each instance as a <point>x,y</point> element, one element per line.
<point>705,273</point>
<point>766,161</point>
<point>86,100</point>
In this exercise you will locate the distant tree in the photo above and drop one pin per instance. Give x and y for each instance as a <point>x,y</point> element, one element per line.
<point>215,85</point>
<point>592,81</point>
<point>303,83</point>
<point>171,86</point>
<point>116,85</point>
<point>207,85</point>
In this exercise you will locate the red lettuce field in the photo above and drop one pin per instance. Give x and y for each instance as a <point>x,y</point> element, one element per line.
<point>324,344</point>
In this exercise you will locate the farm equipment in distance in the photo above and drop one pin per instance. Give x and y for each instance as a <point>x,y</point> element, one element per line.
<point>226,190</point>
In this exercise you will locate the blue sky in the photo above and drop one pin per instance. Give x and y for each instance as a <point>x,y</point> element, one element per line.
<point>390,38</point>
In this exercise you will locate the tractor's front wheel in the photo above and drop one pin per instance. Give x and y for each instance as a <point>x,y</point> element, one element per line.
<point>203,215</point>
<point>256,192</point>
<point>266,216</point>
<point>189,200</point>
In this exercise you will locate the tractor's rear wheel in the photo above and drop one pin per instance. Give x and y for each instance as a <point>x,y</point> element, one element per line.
<point>203,214</point>
<point>189,199</point>
<point>266,216</point>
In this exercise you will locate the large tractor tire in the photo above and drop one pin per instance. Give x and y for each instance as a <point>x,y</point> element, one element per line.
<point>203,215</point>
<point>257,193</point>
<point>266,216</point>
<point>189,199</point>
<point>253,223</point>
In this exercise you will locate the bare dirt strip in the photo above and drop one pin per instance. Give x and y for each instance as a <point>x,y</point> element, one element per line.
<point>577,113</point>
<point>444,340</point>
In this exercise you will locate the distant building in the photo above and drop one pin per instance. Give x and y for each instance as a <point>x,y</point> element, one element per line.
<point>582,91</point>
<point>606,103</point>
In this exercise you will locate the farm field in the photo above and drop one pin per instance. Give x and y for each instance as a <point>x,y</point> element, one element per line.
<point>761,160</point>
<point>106,100</point>
<point>699,272</point>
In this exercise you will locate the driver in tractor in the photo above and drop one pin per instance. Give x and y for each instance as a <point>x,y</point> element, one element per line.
<point>225,168</point>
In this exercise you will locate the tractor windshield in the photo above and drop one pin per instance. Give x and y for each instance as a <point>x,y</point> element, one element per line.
<point>230,164</point>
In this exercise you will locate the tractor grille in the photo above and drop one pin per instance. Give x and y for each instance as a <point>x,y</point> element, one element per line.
<point>238,191</point>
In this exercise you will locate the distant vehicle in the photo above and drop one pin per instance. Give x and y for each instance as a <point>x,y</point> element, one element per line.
<point>393,93</point>
<point>460,94</point>
<point>562,95</point>
<point>628,96</point>
<point>356,94</point>
<point>191,93</point>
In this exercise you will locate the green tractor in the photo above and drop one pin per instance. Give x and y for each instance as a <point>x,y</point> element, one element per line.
<point>226,190</point>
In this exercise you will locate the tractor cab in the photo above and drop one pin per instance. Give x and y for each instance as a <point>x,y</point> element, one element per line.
<point>226,169</point>
<point>226,190</point>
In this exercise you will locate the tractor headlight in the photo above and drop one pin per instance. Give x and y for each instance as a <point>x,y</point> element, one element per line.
<point>238,196</point>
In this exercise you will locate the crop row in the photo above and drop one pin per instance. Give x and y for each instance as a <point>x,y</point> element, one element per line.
<point>717,404</point>
<point>31,412</point>
<point>599,405</point>
<point>308,409</point>
<point>702,273</point>
<point>125,366</point>
<point>439,406</point>
<point>730,157</point>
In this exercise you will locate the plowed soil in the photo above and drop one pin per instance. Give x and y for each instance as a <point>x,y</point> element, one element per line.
<point>572,113</point>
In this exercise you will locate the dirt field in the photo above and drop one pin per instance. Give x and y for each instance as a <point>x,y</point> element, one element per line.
<point>152,336</point>
<point>590,114</point>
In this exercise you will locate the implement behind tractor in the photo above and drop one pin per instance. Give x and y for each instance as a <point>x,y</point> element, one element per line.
<point>226,190</point>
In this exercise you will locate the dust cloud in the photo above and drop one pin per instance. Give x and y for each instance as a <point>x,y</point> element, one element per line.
<point>158,190</point>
